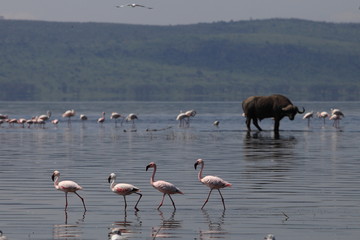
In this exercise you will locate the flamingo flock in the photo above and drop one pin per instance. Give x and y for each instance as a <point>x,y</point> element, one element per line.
<point>335,115</point>
<point>124,189</point>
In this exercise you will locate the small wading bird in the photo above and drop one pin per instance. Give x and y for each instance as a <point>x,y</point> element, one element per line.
<point>212,182</point>
<point>66,186</point>
<point>123,189</point>
<point>165,187</point>
<point>133,5</point>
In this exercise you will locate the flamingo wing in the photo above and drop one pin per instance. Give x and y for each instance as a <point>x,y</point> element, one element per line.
<point>125,189</point>
<point>215,182</point>
<point>166,187</point>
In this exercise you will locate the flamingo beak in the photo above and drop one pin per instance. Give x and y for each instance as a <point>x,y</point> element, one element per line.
<point>53,177</point>
<point>109,179</point>
<point>147,167</point>
<point>195,165</point>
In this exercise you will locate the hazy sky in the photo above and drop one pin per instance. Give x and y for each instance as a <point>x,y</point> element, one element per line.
<point>171,12</point>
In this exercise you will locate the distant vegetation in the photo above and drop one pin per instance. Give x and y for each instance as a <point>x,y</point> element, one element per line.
<point>221,61</point>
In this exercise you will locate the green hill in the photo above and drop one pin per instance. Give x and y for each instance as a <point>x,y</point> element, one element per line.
<point>226,61</point>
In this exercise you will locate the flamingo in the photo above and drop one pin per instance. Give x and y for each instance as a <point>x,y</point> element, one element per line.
<point>83,117</point>
<point>22,121</point>
<point>123,189</point>
<point>269,237</point>
<point>336,119</point>
<point>2,236</point>
<point>55,121</point>
<point>115,115</point>
<point>133,5</point>
<point>102,119</point>
<point>335,111</point>
<point>46,116</point>
<point>308,116</point>
<point>163,186</point>
<point>182,119</point>
<point>212,182</point>
<point>131,117</point>
<point>322,115</point>
<point>69,114</point>
<point>66,186</point>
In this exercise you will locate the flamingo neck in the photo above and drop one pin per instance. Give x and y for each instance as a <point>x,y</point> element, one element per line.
<point>200,172</point>
<point>153,176</point>
<point>56,182</point>
<point>112,184</point>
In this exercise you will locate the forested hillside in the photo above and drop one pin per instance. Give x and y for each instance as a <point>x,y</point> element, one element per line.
<point>226,61</point>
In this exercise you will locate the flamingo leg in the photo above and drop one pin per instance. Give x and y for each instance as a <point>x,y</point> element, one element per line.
<point>81,200</point>
<point>66,201</point>
<point>172,201</point>
<point>125,202</point>
<point>138,201</point>
<point>207,198</point>
<point>222,199</point>
<point>162,201</point>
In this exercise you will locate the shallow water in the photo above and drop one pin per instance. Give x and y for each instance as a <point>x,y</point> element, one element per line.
<point>302,184</point>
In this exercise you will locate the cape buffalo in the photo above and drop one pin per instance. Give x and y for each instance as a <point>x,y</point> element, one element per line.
<point>274,106</point>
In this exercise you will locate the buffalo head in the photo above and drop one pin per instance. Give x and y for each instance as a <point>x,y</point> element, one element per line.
<point>291,110</point>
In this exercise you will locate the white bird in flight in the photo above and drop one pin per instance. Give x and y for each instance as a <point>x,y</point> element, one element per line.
<point>133,5</point>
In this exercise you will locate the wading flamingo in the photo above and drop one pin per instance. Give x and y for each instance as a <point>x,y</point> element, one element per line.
<point>115,115</point>
<point>102,119</point>
<point>2,236</point>
<point>68,114</point>
<point>123,189</point>
<point>322,115</point>
<point>212,182</point>
<point>163,186</point>
<point>308,116</point>
<point>66,186</point>
<point>131,117</point>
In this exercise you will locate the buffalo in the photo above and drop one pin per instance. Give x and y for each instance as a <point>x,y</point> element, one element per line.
<point>274,106</point>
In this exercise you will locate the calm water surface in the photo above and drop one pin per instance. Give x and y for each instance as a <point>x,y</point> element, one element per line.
<point>302,184</point>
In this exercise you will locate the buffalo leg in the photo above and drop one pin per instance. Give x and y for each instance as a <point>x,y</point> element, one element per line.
<point>248,122</point>
<point>255,122</point>
<point>276,125</point>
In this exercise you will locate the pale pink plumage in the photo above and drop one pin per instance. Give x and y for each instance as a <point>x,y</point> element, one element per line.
<point>163,186</point>
<point>123,189</point>
<point>213,182</point>
<point>66,186</point>
<point>102,119</point>
<point>68,114</point>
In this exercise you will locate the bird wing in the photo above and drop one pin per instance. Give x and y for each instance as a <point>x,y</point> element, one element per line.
<point>215,182</point>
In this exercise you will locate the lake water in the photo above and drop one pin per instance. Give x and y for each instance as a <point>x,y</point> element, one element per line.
<point>302,184</point>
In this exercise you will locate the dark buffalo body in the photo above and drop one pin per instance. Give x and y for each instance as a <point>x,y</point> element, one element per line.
<point>274,106</point>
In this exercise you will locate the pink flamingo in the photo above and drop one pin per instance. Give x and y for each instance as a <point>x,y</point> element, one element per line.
<point>163,186</point>
<point>322,115</point>
<point>66,186</point>
<point>69,114</point>
<point>123,189</point>
<point>102,119</point>
<point>212,182</point>
<point>131,117</point>
<point>182,119</point>
<point>115,115</point>
<point>308,116</point>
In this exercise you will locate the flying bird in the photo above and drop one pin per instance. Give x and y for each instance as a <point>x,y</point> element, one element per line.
<point>123,189</point>
<point>212,182</point>
<point>133,5</point>
<point>162,186</point>
<point>66,186</point>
